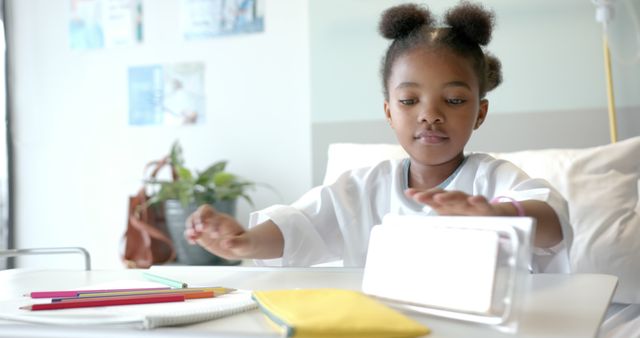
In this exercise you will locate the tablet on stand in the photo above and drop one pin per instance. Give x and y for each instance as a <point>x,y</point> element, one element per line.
<point>461,267</point>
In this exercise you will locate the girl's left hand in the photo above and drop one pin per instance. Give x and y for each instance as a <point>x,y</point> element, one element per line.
<point>453,202</point>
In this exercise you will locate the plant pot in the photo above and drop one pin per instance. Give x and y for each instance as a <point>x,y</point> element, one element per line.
<point>186,253</point>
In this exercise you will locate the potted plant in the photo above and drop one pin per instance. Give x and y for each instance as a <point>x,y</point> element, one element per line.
<point>186,191</point>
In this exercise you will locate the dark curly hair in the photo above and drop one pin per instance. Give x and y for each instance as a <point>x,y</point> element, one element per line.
<point>467,29</point>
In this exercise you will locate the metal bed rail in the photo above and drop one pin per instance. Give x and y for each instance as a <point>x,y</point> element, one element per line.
<point>50,251</point>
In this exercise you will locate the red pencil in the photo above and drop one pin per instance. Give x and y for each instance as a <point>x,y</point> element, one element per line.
<point>74,293</point>
<point>107,301</point>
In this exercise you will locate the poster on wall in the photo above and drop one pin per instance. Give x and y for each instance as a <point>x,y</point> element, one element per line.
<point>211,18</point>
<point>171,95</point>
<point>96,24</point>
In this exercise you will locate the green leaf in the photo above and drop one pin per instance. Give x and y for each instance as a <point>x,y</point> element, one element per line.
<point>176,154</point>
<point>248,199</point>
<point>214,168</point>
<point>223,178</point>
<point>207,175</point>
<point>184,173</point>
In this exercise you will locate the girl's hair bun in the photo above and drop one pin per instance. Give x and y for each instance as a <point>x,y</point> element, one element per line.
<point>472,21</point>
<point>399,21</point>
<point>494,71</point>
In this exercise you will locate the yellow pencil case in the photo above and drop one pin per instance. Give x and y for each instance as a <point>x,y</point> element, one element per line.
<point>319,313</point>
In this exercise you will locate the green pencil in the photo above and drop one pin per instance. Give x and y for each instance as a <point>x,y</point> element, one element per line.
<point>163,280</point>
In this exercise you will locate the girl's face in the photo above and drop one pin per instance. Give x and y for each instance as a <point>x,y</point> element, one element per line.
<point>433,105</point>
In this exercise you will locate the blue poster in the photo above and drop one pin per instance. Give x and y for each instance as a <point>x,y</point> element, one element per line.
<point>145,95</point>
<point>167,94</point>
<point>95,24</point>
<point>210,18</point>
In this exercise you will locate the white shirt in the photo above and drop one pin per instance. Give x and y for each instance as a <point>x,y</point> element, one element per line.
<point>332,222</point>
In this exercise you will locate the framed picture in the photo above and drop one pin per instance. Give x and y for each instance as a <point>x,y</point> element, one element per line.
<point>211,18</point>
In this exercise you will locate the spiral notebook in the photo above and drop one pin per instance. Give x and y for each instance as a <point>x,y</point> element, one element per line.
<point>142,316</point>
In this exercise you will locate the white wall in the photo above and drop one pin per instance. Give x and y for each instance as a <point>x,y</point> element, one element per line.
<point>76,158</point>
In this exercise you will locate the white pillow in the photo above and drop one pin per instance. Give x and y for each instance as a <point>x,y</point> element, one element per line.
<point>601,185</point>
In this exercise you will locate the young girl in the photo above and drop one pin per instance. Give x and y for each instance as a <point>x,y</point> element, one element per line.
<point>435,79</point>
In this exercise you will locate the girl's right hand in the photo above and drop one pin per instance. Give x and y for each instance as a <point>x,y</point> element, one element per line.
<point>218,233</point>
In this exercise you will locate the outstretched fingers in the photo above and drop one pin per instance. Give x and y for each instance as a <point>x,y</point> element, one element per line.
<point>199,222</point>
<point>452,202</point>
<point>423,196</point>
<point>229,247</point>
<point>217,232</point>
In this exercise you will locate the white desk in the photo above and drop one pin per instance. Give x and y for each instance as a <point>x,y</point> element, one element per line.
<point>558,306</point>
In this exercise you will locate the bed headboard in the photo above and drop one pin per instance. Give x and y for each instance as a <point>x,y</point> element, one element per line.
<point>500,132</point>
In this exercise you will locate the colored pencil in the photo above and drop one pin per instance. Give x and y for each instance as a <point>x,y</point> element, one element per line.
<point>74,293</point>
<point>187,295</point>
<point>217,291</point>
<point>163,280</point>
<point>108,301</point>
